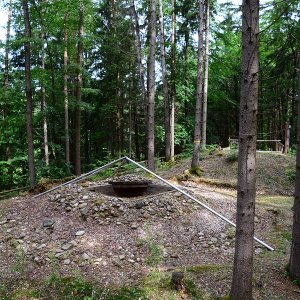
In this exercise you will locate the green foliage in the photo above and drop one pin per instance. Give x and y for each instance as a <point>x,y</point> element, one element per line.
<point>13,173</point>
<point>193,290</point>
<point>293,150</point>
<point>68,288</point>
<point>112,106</point>
<point>155,252</point>
<point>206,268</point>
<point>167,165</point>
<point>287,235</point>
<point>295,280</point>
<point>158,285</point>
<point>155,281</point>
<point>20,262</point>
<point>232,156</point>
<point>291,173</point>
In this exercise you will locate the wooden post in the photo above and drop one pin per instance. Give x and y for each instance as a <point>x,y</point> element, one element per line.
<point>287,137</point>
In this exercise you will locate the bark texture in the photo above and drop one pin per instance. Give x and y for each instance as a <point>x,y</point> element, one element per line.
<point>44,104</point>
<point>66,98</point>
<point>6,82</point>
<point>243,259</point>
<point>295,248</point>
<point>165,84</point>
<point>77,168</point>
<point>199,92</point>
<point>205,86</point>
<point>29,107</point>
<point>151,92</point>
<point>173,81</point>
<point>139,52</point>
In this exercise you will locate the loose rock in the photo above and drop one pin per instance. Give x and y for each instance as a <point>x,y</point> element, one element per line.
<point>48,223</point>
<point>80,233</point>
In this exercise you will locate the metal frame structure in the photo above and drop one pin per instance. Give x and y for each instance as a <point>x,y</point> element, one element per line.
<point>125,158</point>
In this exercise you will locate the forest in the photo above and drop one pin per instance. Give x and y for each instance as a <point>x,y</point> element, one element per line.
<point>204,93</point>
<point>90,77</point>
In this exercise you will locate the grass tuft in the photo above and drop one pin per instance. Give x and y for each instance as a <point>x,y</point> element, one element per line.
<point>232,156</point>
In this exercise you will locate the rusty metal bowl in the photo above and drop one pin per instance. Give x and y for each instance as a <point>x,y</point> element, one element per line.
<point>129,188</point>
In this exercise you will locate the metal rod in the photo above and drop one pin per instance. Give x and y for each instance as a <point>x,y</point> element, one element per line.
<point>194,199</point>
<point>77,179</point>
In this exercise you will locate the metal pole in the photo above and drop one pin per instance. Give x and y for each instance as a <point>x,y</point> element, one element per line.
<point>194,199</point>
<point>86,175</point>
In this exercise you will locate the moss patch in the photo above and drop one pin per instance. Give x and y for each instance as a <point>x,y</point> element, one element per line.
<point>196,171</point>
<point>280,202</point>
<point>207,268</point>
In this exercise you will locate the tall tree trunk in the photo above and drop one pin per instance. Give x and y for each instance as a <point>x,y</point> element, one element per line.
<point>66,98</point>
<point>44,105</point>
<point>77,168</point>
<point>136,134</point>
<point>139,53</point>
<point>173,81</point>
<point>151,91</point>
<point>53,132</point>
<point>295,248</point>
<point>119,116</point>
<point>165,84</point>
<point>130,127</point>
<point>199,93</point>
<point>29,109</point>
<point>205,88</point>
<point>241,287</point>
<point>43,89</point>
<point>6,82</point>
<point>141,76</point>
<point>186,71</point>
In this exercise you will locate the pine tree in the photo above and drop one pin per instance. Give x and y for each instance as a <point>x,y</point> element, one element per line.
<point>241,287</point>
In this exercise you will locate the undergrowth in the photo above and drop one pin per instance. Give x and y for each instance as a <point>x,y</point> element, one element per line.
<point>232,156</point>
<point>67,288</point>
<point>157,285</point>
<point>293,278</point>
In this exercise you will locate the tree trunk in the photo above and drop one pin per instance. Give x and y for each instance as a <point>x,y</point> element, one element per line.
<point>66,99</point>
<point>241,287</point>
<point>173,78</point>
<point>136,134</point>
<point>6,82</point>
<point>205,88</point>
<point>77,168</point>
<point>44,106</point>
<point>186,72</point>
<point>29,109</point>
<point>295,248</point>
<point>165,84</point>
<point>119,116</point>
<point>151,91</point>
<point>139,57</point>
<point>199,94</point>
<point>130,127</point>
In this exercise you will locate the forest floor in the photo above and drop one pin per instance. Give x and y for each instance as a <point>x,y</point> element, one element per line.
<point>55,246</point>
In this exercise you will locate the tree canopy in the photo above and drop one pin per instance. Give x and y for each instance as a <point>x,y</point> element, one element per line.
<point>112,104</point>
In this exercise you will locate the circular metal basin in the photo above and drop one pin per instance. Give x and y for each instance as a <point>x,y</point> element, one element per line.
<point>129,188</point>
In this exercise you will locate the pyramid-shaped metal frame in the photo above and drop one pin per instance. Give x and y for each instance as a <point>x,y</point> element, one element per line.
<point>127,159</point>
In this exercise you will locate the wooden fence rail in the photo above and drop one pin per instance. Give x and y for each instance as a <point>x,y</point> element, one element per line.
<point>277,145</point>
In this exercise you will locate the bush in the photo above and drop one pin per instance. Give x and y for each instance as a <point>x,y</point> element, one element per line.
<point>14,173</point>
<point>232,156</point>
<point>293,150</point>
<point>290,173</point>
